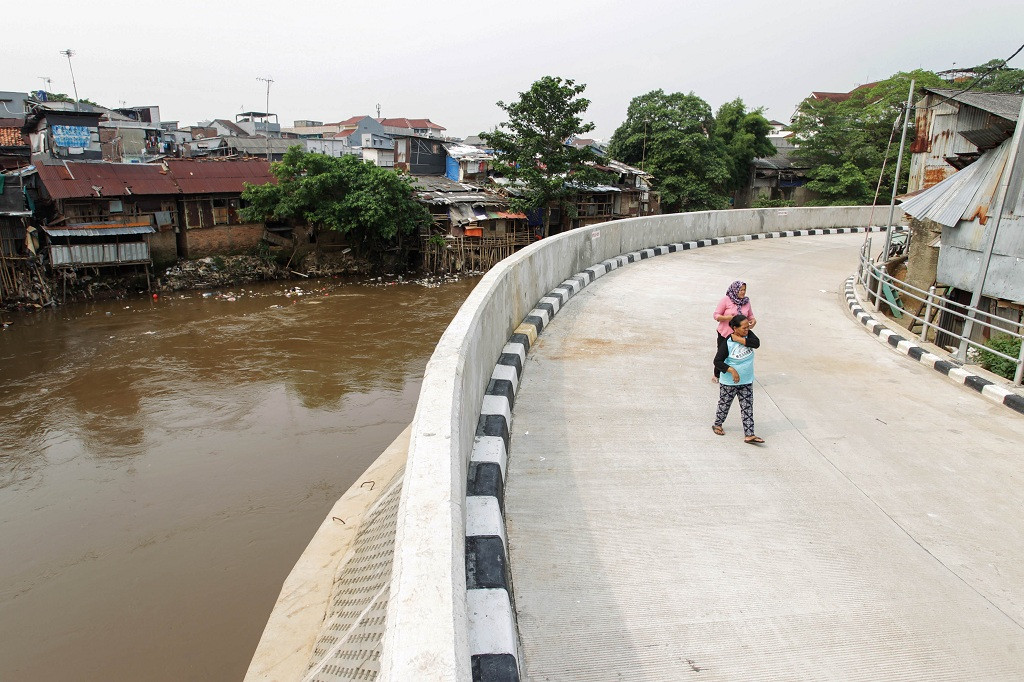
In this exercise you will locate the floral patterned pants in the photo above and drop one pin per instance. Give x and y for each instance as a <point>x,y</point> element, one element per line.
<point>745,392</point>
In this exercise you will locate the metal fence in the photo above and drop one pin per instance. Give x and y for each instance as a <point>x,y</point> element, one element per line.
<point>929,309</point>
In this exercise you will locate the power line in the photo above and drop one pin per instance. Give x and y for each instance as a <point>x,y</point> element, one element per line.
<point>977,80</point>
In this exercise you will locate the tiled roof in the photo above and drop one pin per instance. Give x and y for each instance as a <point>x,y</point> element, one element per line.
<point>349,121</point>
<point>410,123</point>
<point>12,137</point>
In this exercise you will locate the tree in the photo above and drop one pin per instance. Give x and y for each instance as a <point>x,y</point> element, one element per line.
<point>744,134</point>
<point>672,137</point>
<point>373,207</point>
<point>534,151</point>
<point>998,77</point>
<point>61,97</point>
<point>847,143</point>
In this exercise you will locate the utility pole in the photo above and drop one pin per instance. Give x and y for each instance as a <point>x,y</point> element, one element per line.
<point>643,154</point>
<point>896,178</point>
<point>69,54</point>
<point>266,116</point>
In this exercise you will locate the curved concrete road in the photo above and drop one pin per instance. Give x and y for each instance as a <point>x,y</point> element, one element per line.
<point>878,535</point>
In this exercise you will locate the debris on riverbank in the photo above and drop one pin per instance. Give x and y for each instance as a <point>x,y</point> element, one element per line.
<point>429,281</point>
<point>217,271</point>
<point>226,273</point>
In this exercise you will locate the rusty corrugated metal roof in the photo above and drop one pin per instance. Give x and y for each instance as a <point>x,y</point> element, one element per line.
<point>1002,104</point>
<point>218,177</point>
<point>74,180</point>
<point>965,195</point>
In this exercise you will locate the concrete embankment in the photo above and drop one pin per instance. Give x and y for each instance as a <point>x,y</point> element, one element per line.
<point>424,632</point>
<point>303,607</point>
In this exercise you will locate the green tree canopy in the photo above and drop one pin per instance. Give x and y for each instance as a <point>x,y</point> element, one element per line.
<point>744,135</point>
<point>61,97</point>
<point>373,207</point>
<point>532,146</point>
<point>845,143</point>
<point>998,77</point>
<point>672,137</point>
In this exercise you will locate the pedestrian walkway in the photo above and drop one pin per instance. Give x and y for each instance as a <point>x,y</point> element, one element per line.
<point>877,534</point>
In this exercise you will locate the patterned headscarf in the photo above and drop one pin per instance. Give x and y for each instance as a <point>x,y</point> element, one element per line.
<point>733,293</point>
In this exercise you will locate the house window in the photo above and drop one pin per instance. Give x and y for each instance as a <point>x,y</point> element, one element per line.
<point>116,207</point>
<point>221,215</point>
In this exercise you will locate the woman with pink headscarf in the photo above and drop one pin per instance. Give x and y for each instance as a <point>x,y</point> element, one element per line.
<point>735,302</point>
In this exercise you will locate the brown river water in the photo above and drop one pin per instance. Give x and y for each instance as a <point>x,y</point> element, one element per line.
<point>164,463</point>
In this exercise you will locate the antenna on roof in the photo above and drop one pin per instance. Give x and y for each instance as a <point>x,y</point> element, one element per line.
<point>378,110</point>
<point>69,54</point>
<point>266,114</point>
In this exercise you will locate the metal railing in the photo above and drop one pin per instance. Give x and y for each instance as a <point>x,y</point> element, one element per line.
<point>932,307</point>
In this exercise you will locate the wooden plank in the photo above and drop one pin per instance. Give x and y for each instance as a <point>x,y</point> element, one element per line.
<point>895,305</point>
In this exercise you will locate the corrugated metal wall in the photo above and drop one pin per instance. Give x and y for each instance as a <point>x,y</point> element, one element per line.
<point>960,257</point>
<point>99,254</point>
<point>938,136</point>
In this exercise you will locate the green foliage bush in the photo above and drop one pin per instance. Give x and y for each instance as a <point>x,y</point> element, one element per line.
<point>997,365</point>
<point>765,202</point>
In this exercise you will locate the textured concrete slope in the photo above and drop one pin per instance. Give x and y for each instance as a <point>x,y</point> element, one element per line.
<point>877,535</point>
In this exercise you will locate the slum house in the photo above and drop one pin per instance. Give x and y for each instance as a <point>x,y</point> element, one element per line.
<point>473,228</point>
<point>779,177</point>
<point>949,233</point>
<point>420,155</point>
<point>272,148</point>
<point>209,202</point>
<point>465,163</point>
<point>19,272</point>
<point>181,209</point>
<point>635,197</point>
<point>258,123</point>
<point>15,151</point>
<point>64,134</point>
<point>126,141</point>
<point>587,206</point>
<point>105,214</point>
<point>953,129</point>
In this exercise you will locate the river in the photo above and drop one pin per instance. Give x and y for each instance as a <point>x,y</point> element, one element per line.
<point>163,463</point>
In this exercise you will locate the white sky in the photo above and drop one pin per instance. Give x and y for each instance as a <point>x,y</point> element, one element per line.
<point>452,61</point>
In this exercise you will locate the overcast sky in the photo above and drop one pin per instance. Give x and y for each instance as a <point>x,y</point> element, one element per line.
<point>452,61</point>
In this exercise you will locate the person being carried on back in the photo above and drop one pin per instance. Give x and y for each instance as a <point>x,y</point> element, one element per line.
<point>735,362</point>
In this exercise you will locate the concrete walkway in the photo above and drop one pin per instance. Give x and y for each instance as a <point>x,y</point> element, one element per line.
<point>879,534</point>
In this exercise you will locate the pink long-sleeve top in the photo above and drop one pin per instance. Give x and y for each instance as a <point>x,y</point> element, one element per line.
<point>727,307</point>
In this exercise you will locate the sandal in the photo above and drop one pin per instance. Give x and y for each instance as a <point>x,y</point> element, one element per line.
<point>754,440</point>
<point>718,429</point>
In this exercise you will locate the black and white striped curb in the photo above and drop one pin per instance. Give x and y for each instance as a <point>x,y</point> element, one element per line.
<point>493,634</point>
<point>909,347</point>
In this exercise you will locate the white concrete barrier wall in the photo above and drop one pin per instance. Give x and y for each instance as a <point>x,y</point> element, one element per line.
<point>426,636</point>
